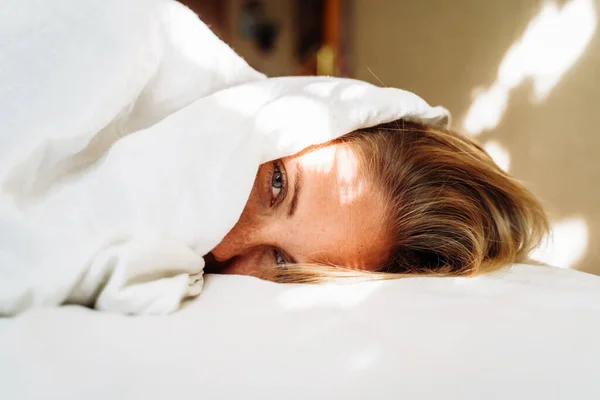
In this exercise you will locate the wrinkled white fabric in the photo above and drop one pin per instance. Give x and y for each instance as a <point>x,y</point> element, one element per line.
<point>130,139</point>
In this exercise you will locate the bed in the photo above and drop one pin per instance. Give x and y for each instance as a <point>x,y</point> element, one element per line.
<point>529,332</point>
<point>525,332</point>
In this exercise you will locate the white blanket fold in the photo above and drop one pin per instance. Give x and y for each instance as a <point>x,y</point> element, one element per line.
<point>130,138</point>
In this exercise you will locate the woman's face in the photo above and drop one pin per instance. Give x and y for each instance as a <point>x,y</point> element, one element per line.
<point>315,207</point>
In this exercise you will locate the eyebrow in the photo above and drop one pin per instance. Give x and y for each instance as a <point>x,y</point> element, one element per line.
<point>297,188</point>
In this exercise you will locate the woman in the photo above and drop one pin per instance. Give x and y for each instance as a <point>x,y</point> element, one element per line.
<point>130,152</point>
<point>394,200</point>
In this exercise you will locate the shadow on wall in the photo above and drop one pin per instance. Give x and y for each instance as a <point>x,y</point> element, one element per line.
<point>534,94</point>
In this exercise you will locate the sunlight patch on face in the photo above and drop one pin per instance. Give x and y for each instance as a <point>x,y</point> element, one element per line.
<point>340,160</point>
<point>328,295</point>
<point>349,184</point>
<point>499,154</point>
<point>321,160</point>
<point>566,244</point>
<point>551,44</point>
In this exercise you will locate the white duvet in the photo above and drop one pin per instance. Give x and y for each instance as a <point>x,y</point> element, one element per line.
<point>124,159</point>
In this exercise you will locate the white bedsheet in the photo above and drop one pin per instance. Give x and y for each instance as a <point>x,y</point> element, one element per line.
<point>527,333</point>
<point>123,162</point>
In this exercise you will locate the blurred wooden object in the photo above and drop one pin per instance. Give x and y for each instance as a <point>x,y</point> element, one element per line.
<point>328,54</point>
<point>322,36</point>
<point>320,31</point>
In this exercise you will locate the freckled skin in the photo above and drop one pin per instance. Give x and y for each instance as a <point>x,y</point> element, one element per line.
<point>339,217</point>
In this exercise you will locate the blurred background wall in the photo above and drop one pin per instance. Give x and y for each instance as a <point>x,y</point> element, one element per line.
<point>522,76</point>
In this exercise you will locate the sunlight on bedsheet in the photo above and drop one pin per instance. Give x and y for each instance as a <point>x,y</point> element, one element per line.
<point>353,93</point>
<point>245,100</point>
<point>365,359</point>
<point>565,246</point>
<point>322,89</point>
<point>550,45</point>
<point>329,295</point>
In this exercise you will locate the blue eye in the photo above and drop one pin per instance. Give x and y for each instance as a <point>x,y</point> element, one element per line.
<point>277,183</point>
<point>279,258</point>
<point>277,179</point>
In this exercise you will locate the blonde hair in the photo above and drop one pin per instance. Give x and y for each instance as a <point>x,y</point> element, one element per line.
<point>451,210</point>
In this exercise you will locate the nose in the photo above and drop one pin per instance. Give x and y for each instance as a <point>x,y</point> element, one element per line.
<point>248,233</point>
<point>234,244</point>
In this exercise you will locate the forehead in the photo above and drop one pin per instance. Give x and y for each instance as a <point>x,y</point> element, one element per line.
<point>341,211</point>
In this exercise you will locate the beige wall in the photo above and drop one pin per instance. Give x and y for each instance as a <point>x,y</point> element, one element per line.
<point>443,50</point>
